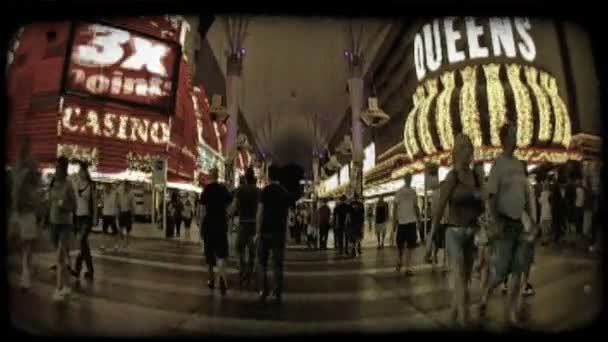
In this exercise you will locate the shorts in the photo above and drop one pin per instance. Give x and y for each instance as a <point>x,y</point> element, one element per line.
<point>509,252</point>
<point>381,228</point>
<point>216,246</point>
<point>406,235</point>
<point>460,243</point>
<point>60,233</point>
<point>125,221</point>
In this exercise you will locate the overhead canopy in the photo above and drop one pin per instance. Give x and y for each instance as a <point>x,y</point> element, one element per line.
<point>294,74</point>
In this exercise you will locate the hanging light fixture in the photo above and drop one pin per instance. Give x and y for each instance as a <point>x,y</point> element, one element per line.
<point>346,146</point>
<point>373,116</point>
<point>242,142</point>
<point>217,111</point>
<point>333,165</point>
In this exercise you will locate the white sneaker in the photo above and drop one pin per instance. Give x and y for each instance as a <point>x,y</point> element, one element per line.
<point>58,296</point>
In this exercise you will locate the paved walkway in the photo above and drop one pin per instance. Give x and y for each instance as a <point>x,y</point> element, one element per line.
<point>158,289</point>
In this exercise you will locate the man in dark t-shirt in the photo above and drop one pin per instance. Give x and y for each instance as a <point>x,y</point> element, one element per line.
<point>340,214</point>
<point>355,221</point>
<point>324,224</point>
<point>246,203</point>
<point>215,200</point>
<point>271,233</point>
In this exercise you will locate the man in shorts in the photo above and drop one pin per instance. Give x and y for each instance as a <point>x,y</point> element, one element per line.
<point>215,200</point>
<point>407,219</point>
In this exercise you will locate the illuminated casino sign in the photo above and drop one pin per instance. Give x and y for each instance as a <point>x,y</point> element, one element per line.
<point>119,65</point>
<point>470,39</point>
<point>476,74</point>
<point>116,125</point>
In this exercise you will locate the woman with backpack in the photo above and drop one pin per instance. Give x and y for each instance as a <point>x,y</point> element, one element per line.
<point>26,180</point>
<point>461,191</point>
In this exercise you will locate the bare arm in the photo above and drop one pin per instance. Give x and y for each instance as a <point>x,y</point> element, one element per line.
<point>444,195</point>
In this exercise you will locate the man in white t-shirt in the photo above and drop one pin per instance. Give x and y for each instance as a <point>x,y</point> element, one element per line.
<point>507,187</point>
<point>407,219</point>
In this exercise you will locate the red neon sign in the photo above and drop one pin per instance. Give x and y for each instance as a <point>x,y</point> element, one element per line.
<point>116,64</point>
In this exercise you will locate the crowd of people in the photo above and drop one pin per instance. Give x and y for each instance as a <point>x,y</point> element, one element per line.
<point>489,225</point>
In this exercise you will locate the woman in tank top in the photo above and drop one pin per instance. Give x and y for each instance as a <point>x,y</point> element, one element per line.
<point>462,194</point>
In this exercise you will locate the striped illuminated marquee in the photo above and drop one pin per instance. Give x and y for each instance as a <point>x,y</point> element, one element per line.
<point>487,96</point>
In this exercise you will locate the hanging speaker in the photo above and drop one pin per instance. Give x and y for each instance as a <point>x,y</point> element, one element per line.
<point>217,111</point>
<point>346,146</point>
<point>373,116</point>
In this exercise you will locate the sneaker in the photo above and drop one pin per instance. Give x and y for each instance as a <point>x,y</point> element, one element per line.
<point>409,273</point>
<point>505,288</point>
<point>528,290</point>
<point>211,284</point>
<point>58,296</point>
<point>398,267</point>
<point>89,275</point>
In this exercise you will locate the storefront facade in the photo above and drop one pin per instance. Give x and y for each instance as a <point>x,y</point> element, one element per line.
<point>472,75</point>
<point>115,94</point>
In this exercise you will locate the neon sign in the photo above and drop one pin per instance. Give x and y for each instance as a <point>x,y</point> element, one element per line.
<point>124,66</point>
<point>471,38</point>
<point>113,125</point>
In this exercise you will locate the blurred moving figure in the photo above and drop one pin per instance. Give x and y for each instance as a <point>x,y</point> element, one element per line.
<point>125,217</point>
<point>62,208</point>
<point>354,223</point>
<point>26,203</point>
<point>324,224</point>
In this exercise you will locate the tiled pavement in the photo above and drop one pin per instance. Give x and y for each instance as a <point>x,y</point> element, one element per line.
<point>159,289</point>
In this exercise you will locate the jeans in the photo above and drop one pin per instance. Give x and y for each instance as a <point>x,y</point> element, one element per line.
<point>245,241</point>
<point>461,244</point>
<point>84,226</point>
<point>275,246</point>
